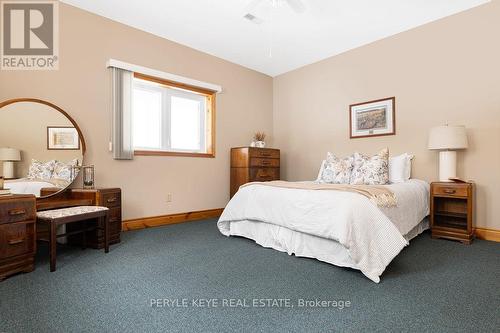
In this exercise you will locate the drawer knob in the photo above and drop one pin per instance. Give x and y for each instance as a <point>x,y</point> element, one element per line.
<point>113,199</point>
<point>266,162</point>
<point>17,212</point>
<point>449,191</point>
<point>16,241</point>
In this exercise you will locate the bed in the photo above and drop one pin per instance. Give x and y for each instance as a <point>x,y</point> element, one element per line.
<point>31,186</point>
<point>338,227</point>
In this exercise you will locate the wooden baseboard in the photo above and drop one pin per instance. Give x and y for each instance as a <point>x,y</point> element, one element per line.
<point>156,221</point>
<point>488,234</point>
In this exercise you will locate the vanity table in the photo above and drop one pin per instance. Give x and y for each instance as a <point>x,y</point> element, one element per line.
<point>52,150</point>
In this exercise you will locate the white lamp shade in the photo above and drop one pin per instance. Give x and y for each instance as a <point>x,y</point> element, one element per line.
<point>448,137</point>
<point>10,154</point>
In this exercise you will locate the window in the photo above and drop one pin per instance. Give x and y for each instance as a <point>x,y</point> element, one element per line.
<point>172,119</point>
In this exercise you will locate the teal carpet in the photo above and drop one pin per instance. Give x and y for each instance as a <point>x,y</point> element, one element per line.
<point>432,286</point>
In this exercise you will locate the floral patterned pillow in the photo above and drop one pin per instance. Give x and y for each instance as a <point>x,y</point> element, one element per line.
<point>63,171</point>
<point>41,170</point>
<point>371,170</point>
<point>336,170</point>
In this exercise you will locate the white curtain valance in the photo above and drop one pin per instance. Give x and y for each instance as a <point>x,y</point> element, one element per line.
<point>163,75</point>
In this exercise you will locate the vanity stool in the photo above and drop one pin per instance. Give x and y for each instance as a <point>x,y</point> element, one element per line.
<point>54,218</point>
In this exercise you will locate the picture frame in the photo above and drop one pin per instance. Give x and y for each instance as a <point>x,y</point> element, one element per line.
<point>373,118</point>
<point>62,138</point>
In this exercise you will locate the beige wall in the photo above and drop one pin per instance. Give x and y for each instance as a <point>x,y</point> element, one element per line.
<point>81,86</point>
<point>446,71</point>
<point>24,127</point>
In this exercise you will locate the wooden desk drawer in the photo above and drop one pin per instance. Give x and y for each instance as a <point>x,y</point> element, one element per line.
<point>17,239</point>
<point>264,174</point>
<point>264,162</point>
<point>111,199</point>
<point>264,153</point>
<point>456,191</point>
<point>18,210</point>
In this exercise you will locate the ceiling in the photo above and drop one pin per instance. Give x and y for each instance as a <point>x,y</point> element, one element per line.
<point>324,29</point>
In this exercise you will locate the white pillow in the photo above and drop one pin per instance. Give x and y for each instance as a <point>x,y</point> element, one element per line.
<point>400,168</point>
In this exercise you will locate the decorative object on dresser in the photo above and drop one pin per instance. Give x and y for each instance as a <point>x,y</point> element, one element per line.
<point>17,234</point>
<point>249,164</point>
<point>452,210</point>
<point>9,156</point>
<point>105,197</point>
<point>88,176</point>
<point>373,118</point>
<point>258,140</point>
<point>448,139</point>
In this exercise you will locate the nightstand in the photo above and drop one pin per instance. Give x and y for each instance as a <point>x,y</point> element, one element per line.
<point>452,211</point>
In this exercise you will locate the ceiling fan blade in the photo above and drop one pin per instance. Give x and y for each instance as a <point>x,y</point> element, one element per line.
<point>252,5</point>
<point>297,6</point>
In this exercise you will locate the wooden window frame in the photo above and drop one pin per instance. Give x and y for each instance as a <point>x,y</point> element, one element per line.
<point>210,119</point>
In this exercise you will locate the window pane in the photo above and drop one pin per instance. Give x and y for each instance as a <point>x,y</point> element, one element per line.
<point>185,123</point>
<point>147,118</point>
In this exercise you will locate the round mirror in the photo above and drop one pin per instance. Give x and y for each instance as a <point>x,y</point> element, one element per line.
<point>41,147</point>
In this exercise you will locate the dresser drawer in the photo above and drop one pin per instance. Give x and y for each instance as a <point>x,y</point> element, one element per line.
<point>111,199</point>
<point>17,239</point>
<point>264,153</point>
<point>454,190</point>
<point>264,162</point>
<point>115,220</point>
<point>17,210</point>
<point>264,174</point>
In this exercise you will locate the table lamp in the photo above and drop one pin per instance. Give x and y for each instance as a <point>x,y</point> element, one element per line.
<point>9,156</point>
<point>448,139</point>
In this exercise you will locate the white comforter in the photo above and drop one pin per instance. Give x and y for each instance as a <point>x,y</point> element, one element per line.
<point>26,186</point>
<point>371,235</point>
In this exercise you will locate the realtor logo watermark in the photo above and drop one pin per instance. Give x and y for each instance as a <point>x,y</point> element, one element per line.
<point>29,35</point>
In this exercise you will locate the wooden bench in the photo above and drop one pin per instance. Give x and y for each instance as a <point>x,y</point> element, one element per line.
<point>57,217</point>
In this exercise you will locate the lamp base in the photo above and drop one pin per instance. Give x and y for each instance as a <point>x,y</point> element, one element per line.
<point>447,165</point>
<point>8,170</point>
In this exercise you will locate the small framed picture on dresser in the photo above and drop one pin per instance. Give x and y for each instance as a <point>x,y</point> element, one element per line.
<point>373,118</point>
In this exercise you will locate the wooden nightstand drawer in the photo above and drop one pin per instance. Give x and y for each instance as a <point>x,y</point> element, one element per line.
<point>264,162</point>
<point>17,210</point>
<point>450,190</point>
<point>264,153</point>
<point>17,239</point>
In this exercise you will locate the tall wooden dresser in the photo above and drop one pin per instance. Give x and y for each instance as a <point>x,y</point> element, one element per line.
<point>17,234</point>
<point>249,164</point>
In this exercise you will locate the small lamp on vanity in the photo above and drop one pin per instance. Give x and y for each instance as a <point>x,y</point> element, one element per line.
<point>448,139</point>
<point>9,156</point>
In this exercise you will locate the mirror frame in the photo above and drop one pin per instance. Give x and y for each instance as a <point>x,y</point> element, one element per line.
<point>80,134</point>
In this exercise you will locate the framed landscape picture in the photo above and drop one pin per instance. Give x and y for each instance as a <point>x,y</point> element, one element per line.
<point>373,118</point>
<point>62,138</point>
